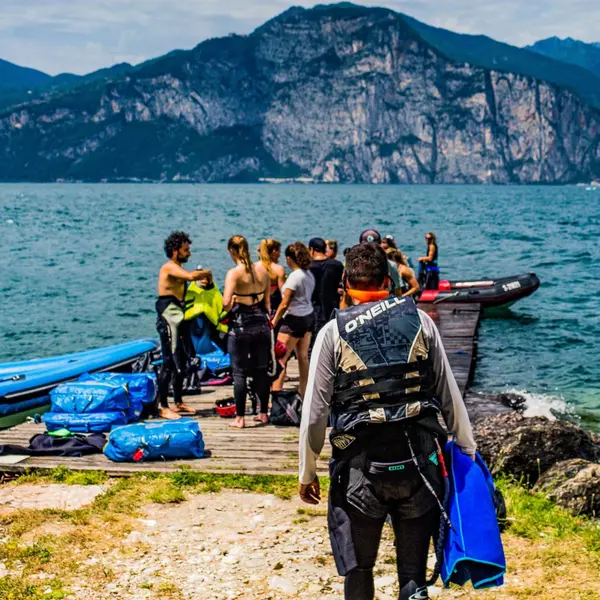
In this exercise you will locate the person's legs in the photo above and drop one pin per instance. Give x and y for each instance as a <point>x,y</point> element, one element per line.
<point>168,368</point>
<point>366,535</point>
<point>412,546</point>
<point>303,361</point>
<point>260,355</point>
<point>237,348</point>
<point>290,344</point>
<point>181,357</point>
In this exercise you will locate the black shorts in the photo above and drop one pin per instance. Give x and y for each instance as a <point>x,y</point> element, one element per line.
<point>297,327</point>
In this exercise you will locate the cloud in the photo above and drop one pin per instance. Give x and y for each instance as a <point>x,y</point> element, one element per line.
<point>62,35</point>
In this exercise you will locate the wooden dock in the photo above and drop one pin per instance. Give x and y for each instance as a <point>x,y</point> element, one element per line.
<point>257,449</point>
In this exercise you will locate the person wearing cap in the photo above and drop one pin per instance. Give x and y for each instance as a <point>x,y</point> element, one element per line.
<point>372,235</point>
<point>328,276</point>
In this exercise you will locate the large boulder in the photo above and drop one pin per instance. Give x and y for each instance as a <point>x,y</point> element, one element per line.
<point>525,447</point>
<point>573,484</point>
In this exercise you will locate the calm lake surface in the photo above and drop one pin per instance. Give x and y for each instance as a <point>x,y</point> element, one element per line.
<point>78,263</point>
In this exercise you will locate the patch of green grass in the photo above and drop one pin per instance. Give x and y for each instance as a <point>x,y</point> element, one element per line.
<point>312,512</point>
<point>12,588</point>
<point>283,486</point>
<point>63,474</point>
<point>38,553</point>
<point>165,492</point>
<point>532,515</point>
<point>168,590</point>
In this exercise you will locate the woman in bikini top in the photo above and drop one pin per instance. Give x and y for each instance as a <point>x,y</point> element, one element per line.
<point>247,296</point>
<point>269,252</point>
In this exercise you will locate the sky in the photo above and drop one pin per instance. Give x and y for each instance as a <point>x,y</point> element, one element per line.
<point>80,36</point>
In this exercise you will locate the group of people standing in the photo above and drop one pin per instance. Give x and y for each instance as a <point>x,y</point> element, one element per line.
<point>262,304</point>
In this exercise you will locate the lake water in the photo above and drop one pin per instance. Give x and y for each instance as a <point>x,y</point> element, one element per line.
<point>78,263</point>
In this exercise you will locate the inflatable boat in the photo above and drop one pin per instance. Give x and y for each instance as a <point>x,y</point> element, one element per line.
<point>26,385</point>
<point>487,292</point>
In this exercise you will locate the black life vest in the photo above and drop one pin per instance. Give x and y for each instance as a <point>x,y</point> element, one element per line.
<point>385,374</point>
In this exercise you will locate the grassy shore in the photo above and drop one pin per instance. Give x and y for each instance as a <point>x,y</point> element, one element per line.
<point>551,554</point>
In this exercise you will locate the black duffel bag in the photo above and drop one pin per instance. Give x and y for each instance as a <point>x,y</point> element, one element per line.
<point>286,408</point>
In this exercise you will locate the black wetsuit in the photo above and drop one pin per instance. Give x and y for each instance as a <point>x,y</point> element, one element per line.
<point>171,328</point>
<point>325,299</point>
<point>276,299</point>
<point>429,272</point>
<point>249,345</point>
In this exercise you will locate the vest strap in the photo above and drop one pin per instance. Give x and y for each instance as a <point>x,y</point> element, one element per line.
<point>359,404</point>
<point>423,367</point>
<point>380,387</point>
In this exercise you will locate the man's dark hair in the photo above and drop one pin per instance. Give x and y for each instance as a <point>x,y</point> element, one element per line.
<point>175,241</point>
<point>366,266</point>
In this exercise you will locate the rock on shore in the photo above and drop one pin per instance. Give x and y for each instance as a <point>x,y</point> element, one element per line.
<point>559,457</point>
<point>525,447</point>
<point>573,484</point>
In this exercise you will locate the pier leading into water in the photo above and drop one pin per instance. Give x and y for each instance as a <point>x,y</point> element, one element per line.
<point>257,449</point>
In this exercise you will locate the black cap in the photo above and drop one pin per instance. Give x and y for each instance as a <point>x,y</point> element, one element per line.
<point>317,244</point>
<point>370,235</point>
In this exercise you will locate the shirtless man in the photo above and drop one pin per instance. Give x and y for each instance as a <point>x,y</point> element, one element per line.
<point>170,308</point>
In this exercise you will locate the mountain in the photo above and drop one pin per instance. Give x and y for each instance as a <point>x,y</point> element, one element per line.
<point>14,78</point>
<point>482,51</point>
<point>571,51</point>
<point>39,84</point>
<point>338,93</point>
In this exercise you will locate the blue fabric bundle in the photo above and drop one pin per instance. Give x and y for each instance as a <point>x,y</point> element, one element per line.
<point>473,549</point>
<point>89,397</point>
<point>142,388</point>
<point>84,422</point>
<point>210,355</point>
<point>157,440</point>
<point>99,401</point>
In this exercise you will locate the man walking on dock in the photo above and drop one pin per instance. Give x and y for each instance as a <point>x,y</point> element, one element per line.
<point>379,372</point>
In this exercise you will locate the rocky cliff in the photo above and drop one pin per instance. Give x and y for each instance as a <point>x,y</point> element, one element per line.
<point>338,93</point>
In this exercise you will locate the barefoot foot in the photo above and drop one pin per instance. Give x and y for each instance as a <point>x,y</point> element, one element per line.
<point>183,408</point>
<point>239,423</point>
<point>262,418</point>
<point>167,413</point>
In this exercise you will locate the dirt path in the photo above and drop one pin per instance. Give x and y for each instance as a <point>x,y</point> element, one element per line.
<point>240,546</point>
<point>225,545</point>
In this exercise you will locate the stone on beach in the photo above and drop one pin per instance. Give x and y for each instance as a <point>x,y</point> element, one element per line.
<point>54,496</point>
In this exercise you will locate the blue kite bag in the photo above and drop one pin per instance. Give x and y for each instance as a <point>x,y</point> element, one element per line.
<point>84,422</point>
<point>142,388</point>
<point>473,547</point>
<point>151,441</point>
<point>90,397</point>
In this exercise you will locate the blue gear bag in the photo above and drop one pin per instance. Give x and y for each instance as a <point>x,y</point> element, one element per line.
<point>150,441</point>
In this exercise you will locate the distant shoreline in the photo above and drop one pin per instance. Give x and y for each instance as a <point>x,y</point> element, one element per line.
<point>595,185</point>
